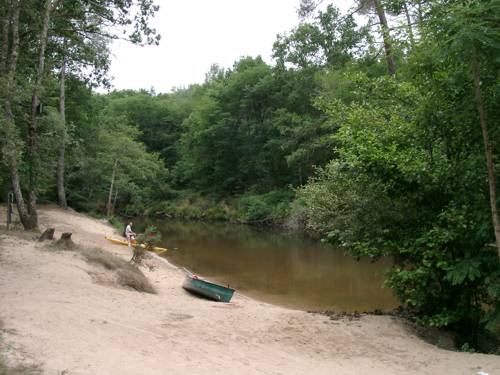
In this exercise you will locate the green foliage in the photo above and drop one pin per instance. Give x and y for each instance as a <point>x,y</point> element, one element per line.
<point>150,238</point>
<point>271,207</point>
<point>229,141</point>
<point>188,205</point>
<point>463,271</point>
<point>117,223</point>
<point>145,241</point>
<point>253,209</point>
<point>95,146</point>
<point>268,208</point>
<point>408,179</point>
<point>331,40</point>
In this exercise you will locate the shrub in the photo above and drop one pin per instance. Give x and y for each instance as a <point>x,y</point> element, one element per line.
<point>272,206</point>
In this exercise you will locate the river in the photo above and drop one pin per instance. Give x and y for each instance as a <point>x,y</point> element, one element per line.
<point>286,270</point>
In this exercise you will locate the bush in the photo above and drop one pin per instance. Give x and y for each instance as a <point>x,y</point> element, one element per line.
<point>191,206</point>
<point>273,206</point>
<point>145,241</point>
<point>217,213</point>
<point>253,208</point>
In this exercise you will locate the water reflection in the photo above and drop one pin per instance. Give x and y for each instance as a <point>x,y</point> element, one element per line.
<point>286,270</point>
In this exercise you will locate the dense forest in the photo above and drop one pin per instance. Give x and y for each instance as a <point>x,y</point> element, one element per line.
<point>373,130</point>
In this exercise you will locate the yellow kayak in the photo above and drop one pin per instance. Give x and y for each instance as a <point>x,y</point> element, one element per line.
<point>118,241</point>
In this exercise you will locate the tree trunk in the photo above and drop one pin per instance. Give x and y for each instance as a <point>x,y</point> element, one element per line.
<point>24,216</point>
<point>420,15</point>
<point>14,53</point>
<point>488,150</point>
<point>5,23</point>
<point>408,20</point>
<point>61,193</point>
<point>9,144</point>
<point>114,202</point>
<point>110,196</point>
<point>391,65</point>
<point>33,158</point>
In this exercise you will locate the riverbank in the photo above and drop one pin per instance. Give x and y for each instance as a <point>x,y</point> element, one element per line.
<point>271,209</point>
<point>68,317</point>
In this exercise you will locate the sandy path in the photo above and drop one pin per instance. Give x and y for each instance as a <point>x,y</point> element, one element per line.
<point>55,315</point>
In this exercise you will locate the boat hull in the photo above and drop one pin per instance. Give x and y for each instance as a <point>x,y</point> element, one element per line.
<point>157,250</point>
<point>207,289</point>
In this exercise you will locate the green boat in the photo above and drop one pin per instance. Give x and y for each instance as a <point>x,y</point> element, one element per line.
<point>207,289</point>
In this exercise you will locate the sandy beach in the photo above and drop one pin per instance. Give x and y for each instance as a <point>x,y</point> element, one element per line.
<point>64,315</point>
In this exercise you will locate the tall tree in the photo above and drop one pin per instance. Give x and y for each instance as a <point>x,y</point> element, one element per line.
<point>81,28</point>
<point>330,39</point>
<point>378,6</point>
<point>403,7</point>
<point>307,7</point>
<point>33,158</point>
<point>472,32</point>
<point>11,144</point>
<point>61,192</point>
<point>83,23</point>
<point>4,24</point>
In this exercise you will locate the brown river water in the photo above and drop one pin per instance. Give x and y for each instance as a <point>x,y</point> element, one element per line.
<point>285,270</point>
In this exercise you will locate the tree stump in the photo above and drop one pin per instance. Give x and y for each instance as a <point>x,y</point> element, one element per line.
<point>47,235</point>
<point>138,254</point>
<point>65,241</point>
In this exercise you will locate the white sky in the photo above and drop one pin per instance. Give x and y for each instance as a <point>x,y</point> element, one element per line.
<point>198,33</point>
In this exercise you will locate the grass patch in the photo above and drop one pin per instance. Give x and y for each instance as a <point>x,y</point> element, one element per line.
<point>18,370</point>
<point>27,235</point>
<point>104,258</point>
<point>135,279</point>
<point>127,274</point>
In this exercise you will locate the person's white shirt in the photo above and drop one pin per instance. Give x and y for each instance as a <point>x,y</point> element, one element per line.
<point>128,231</point>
